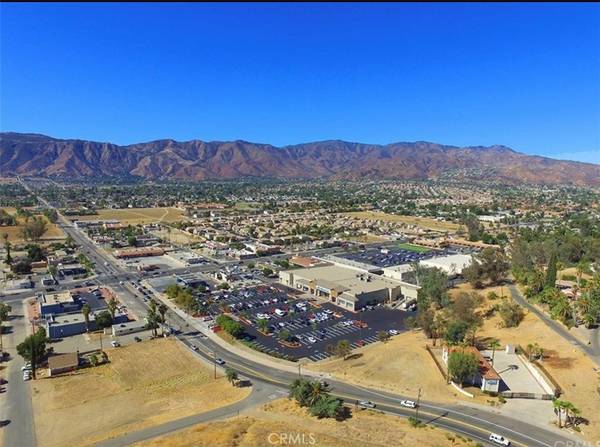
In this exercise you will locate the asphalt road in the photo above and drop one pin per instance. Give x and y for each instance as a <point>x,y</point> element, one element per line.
<point>16,410</point>
<point>474,423</point>
<point>592,350</point>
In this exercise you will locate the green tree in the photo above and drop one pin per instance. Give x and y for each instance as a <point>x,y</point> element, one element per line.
<point>5,310</point>
<point>112,305</point>
<point>33,348</point>
<point>103,320</point>
<point>550,280</point>
<point>34,229</point>
<point>162,310</point>
<point>263,325</point>
<point>456,332</point>
<point>327,407</point>
<point>131,241</point>
<point>152,317</point>
<point>7,247</point>
<point>511,313</point>
<point>494,344</point>
<point>285,335</point>
<point>343,349</point>
<point>85,310</point>
<point>461,366</point>
<point>231,374</point>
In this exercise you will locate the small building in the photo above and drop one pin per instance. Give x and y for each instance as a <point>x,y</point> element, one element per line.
<point>486,377</point>
<point>129,253</point>
<point>57,303</point>
<point>62,363</point>
<point>452,265</point>
<point>128,327</point>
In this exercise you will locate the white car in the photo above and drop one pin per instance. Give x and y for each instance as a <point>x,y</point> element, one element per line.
<point>26,367</point>
<point>408,404</point>
<point>115,344</point>
<point>393,332</point>
<point>500,440</point>
<point>311,340</point>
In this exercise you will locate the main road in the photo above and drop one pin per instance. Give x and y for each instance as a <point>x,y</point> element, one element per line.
<point>462,419</point>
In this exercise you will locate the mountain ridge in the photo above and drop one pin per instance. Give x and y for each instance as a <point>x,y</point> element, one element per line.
<point>42,155</point>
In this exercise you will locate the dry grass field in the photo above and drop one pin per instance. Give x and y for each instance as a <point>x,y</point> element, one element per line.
<point>52,234</point>
<point>409,220</point>
<point>136,216</point>
<point>401,365</point>
<point>177,236</point>
<point>265,425</point>
<point>145,384</point>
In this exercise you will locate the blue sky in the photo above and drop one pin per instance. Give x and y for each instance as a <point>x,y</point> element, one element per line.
<point>523,75</point>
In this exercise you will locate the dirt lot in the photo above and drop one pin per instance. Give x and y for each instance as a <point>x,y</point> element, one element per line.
<point>176,236</point>
<point>53,233</point>
<point>410,220</point>
<point>138,215</point>
<point>265,426</point>
<point>145,384</point>
<point>401,365</point>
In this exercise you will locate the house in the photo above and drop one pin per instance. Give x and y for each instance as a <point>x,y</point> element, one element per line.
<point>61,363</point>
<point>486,377</point>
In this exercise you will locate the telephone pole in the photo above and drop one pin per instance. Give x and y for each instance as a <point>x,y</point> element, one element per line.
<point>418,402</point>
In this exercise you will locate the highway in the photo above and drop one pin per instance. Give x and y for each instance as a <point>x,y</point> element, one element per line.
<point>467,421</point>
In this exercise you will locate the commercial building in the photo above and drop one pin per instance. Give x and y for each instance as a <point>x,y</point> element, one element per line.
<point>57,303</point>
<point>452,265</point>
<point>66,325</point>
<point>129,253</point>
<point>345,287</point>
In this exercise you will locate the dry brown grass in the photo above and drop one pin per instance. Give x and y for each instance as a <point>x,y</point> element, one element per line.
<point>423,222</point>
<point>136,216</point>
<point>401,365</point>
<point>264,426</point>
<point>53,232</point>
<point>145,384</point>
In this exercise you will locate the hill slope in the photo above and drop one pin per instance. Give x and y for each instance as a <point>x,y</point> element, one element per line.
<point>33,154</point>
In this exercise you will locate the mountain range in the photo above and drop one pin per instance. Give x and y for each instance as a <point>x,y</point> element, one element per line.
<point>40,155</point>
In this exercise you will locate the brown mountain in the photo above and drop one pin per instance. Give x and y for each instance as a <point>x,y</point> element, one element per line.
<point>39,155</point>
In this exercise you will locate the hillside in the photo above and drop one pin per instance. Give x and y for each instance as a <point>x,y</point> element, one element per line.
<point>39,155</point>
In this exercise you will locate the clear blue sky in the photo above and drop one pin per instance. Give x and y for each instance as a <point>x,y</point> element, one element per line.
<point>523,75</point>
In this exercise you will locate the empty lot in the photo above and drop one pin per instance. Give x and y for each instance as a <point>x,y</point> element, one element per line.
<point>144,384</point>
<point>423,222</point>
<point>138,215</point>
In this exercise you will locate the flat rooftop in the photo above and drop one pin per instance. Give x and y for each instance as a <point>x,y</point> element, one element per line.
<point>57,298</point>
<point>344,279</point>
<point>388,257</point>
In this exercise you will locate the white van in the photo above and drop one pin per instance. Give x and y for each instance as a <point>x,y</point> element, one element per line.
<point>500,440</point>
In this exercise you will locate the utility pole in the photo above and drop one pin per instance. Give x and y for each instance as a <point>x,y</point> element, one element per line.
<point>215,363</point>
<point>418,402</point>
<point>299,373</point>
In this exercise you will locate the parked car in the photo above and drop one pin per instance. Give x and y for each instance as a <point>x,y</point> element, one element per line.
<point>408,404</point>
<point>136,338</point>
<point>393,332</point>
<point>366,404</point>
<point>115,344</point>
<point>500,440</point>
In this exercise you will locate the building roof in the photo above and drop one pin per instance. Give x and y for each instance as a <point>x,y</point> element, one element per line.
<point>486,370</point>
<point>451,264</point>
<point>60,361</point>
<point>343,279</point>
<point>57,298</point>
<point>303,261</point>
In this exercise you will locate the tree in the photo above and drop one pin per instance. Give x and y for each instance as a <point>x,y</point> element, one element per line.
<point>162,310</point>
<point>7,247</point>
<point>33,348</point>
<point>152,317</point>
<point>131,240</point>
<point>112,307</point>
<point>456,332</point>
<point>316,390</point>
<point>231,374</point>
<point>550,279</point>
<point>343,349</point>
<point>494,344</point>
<point>327,407</point>
<point>223,286</point>
<point>5,310</point>
<point>70,242</point>
<point>22,267</point>
<point>383,336</point>
<point>434,287</point>
<point>263,325</point>
<point>85,310</point>
<point>103,320</point>
<point>560,406</point>
<point>461,366</point>
<point>34,229</point>
<point>490,264</point>
<point>285,335</point>
<point>300,391</point>
<point>511,313</point>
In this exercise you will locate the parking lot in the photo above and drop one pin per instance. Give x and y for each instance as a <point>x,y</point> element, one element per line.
<point>313,327</point>
<point>389,256</point>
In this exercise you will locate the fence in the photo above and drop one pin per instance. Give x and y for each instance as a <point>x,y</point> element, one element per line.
<point>511,395</point>
<point>437,362</point>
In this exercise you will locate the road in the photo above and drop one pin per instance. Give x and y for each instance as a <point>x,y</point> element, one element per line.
<point>16,410</point>
<point>474,423</point>
<point>592,350</point>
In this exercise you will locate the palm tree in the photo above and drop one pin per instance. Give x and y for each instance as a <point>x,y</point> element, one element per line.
<point>263,325</point>
<point>162,310</point>
<point>582,267</point>
<point>560,406</point>
<point>85,310</point>
<point>231,374</point>
<point>112,307</point>
<point>317,389</point>
<point>494,344</point>
<point>152,317</point>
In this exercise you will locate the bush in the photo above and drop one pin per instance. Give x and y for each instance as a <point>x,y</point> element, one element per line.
<point>414,422</point>
<point>230,326</point>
